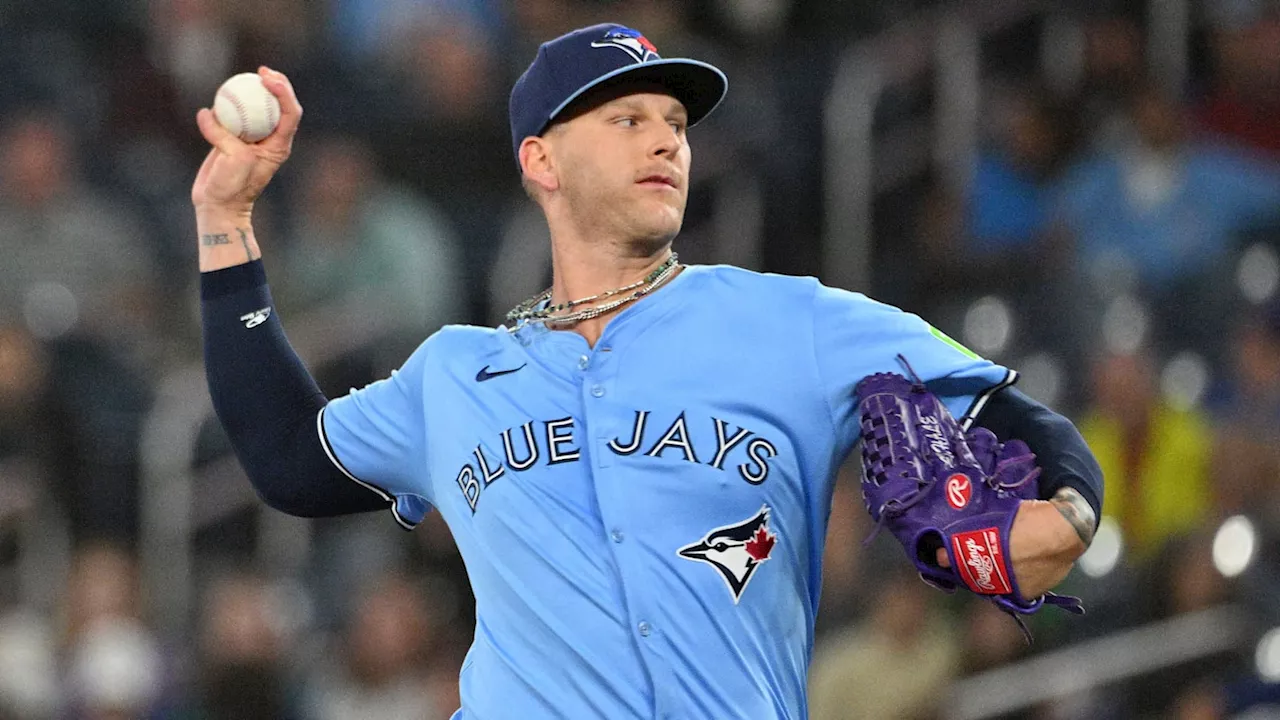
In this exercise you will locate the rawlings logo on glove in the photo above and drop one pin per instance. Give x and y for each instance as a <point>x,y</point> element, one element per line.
<point>934,486</point>
<point>982,565</point>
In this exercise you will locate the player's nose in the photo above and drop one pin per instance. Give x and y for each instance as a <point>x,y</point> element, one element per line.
<point>666,141</point>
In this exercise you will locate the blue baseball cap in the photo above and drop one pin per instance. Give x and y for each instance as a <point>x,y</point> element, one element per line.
<point>598,57</point>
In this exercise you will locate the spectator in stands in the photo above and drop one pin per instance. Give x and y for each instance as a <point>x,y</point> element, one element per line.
<point>28,666</point>
<point>366,28</point>
<point>1155,457</point>
<point>1113,68</point>
<point>25,440</point>
<point>74,261</point>
<point>989,638</point>
<point>1184,577</point>
<point>362,245</point>
<point>1165,205</point>
<point>115,673</point>
<point>995,237</point>
<point>192,46</point>
<point>895,664</point>
<point>242,653</point>
<point>70,413</point>
<point>381,670</point>
<point>1243,103</point>
<point>1200,701</point>
<point>1010,200</point>
<point>446,133</point>
<point>115,669</point>
<point>1246,408</point>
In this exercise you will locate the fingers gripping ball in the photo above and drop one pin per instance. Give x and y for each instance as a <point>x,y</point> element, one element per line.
<point>246,108</point>
<point>935,486</point>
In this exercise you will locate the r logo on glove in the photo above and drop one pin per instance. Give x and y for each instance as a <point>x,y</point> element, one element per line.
<point>959,490</point>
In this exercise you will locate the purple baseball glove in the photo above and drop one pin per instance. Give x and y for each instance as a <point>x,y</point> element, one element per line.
<point>934,486</point>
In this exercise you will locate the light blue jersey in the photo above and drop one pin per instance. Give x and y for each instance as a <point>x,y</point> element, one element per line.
<point>643,521</point>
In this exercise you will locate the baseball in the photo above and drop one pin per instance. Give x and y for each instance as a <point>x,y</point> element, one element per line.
<point>246,107</point>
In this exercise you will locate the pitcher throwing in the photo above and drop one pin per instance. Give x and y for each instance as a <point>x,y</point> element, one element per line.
<point>637,468</point>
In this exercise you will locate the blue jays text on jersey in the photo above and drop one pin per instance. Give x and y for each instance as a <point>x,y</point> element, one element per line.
<point>554,442</point>
<point>642,521</point>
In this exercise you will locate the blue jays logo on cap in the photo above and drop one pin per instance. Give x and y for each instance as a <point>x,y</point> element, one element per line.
<point>629,41</point>
<point>567,69</point>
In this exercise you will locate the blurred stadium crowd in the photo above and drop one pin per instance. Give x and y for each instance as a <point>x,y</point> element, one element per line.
<point>1114,237</point>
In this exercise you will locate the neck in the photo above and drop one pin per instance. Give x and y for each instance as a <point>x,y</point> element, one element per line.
<point>582,269</point>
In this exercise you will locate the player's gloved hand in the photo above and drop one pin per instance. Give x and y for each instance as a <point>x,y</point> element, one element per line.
<point>235,173</point>
<point>1042,548</point>
<point>957,501</point>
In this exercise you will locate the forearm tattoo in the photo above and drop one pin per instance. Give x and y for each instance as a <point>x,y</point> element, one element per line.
<point>1077,511</point>
<point>213,239</point>
<point>244,240</point>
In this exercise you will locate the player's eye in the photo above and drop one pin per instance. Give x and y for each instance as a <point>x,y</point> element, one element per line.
<point>678,127</point>
<point>626,121</point>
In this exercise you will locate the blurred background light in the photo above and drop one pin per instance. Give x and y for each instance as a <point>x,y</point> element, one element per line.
<point>1105,552</point>
<point>1184,380</point>
<point>50,310</point>
<point>1234,545</point>
<point>988,325</point>
<point>1267,656</point>
<point>1124,325</point>
<point>1042,375</point>
<point>1258,273</point>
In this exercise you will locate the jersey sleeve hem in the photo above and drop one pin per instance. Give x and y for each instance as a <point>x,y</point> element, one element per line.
<point>981,399</point>
<point>404,522</point>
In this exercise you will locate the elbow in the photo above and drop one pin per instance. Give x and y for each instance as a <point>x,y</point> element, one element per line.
<point>284,500</point>
<point>279,488</point>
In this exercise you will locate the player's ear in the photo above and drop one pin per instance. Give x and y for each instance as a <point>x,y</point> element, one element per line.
<point>537,163</point>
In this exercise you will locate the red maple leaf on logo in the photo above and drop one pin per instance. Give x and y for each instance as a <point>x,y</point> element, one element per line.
<point>761,544</point>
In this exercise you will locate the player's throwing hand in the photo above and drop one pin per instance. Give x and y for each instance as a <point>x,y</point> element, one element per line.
<point>235,172</point>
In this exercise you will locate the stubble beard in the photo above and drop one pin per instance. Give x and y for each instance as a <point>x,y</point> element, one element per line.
<point>643,231</point>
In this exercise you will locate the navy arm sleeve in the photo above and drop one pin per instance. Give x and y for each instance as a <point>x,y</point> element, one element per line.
<point>268,402</point>
<point>1064,458</point>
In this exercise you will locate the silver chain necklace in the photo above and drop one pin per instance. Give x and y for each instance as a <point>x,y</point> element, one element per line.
<point>528,311</point>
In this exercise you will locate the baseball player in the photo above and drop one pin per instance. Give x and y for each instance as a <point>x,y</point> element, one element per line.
<point>637,468</point>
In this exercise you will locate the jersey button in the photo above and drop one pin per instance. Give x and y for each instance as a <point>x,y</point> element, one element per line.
<point>583,362</point>
<point>597,391</point>
<point>644,628</point>
<point>616,535</point>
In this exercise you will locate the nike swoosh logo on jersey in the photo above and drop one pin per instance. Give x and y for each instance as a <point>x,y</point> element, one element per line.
<point>484,373</point>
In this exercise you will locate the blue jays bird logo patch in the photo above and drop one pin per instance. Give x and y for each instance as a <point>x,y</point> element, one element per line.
<point>630,41</point>
<point>735,551</point>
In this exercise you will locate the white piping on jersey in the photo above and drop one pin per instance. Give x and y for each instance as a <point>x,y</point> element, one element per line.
<point>328,450</point>
<point>980,401</point>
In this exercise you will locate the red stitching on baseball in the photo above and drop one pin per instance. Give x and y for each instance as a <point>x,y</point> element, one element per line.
<point>240,110</point>
<point>272,105</point>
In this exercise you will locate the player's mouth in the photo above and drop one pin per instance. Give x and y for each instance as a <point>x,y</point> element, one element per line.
<point>658,181</point>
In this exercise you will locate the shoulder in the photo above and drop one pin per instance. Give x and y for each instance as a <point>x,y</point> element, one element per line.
<point>774,292</point>
<point>453,352</point>
<point>452,344</point>
<point>463,338</point>
<point>752,286</point>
